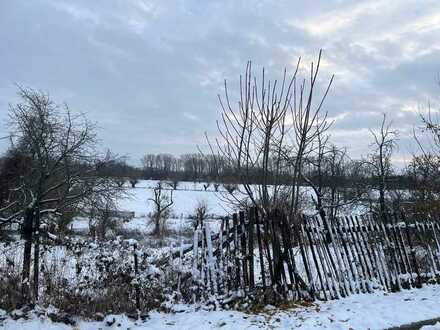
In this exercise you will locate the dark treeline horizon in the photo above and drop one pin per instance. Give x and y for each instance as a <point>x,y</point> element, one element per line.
<point>197,167</point>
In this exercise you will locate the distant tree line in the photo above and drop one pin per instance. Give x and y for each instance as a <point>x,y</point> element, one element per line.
<point>197,167</point>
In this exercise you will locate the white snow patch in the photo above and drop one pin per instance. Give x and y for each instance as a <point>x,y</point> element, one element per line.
<point>364,311</point>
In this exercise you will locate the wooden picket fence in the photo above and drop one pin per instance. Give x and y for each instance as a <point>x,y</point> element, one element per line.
<point>315,259</point>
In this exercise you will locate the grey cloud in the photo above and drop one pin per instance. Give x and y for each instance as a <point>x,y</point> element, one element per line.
<point>149,71</point>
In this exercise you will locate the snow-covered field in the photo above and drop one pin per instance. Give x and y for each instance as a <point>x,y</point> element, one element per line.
<point>366,311</point>
<point>186,198</point>
<point>189,194</point>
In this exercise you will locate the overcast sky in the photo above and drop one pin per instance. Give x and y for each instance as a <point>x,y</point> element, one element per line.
<point>149,71</point>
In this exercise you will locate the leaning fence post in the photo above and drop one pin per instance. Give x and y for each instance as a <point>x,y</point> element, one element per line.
<point>401,247</point>
<point>389,235</point>
<point>195,272</point>
<point>243,249</point>
<point>301,232</point>
<point>221,262</point>
<point>251,247</point>
<point>136,272</point>
<point>413,254</point>
<point>276,250</point>
<point>228,254</point>
<point>236,251</point>
<point>210,260</point>
<point>260,249</point>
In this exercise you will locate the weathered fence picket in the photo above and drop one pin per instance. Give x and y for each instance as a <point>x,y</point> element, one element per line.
<point>317,258</point>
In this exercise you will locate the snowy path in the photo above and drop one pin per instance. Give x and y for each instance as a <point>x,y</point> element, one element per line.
<point>368,311</point>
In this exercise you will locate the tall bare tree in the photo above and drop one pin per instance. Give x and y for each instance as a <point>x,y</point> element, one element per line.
<point>268,134</point>
<point>384,142</point>
<point>424,167</point>
<point>334,178</point>
<point>162,203</point>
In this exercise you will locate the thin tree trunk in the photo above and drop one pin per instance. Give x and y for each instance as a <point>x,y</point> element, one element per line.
<point>36,254</point>
<point>27,236</point>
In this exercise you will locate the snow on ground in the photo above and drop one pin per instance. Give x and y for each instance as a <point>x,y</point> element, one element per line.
<point>144,225</point>
<point>374,311</point>
<point>363,311</point>
<point>189,194</point>
<point>185,198</point>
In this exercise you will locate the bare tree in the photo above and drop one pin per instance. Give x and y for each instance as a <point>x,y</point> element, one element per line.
<point>61,170</point>
<point>147,162</point>
<point>424,168</point>
<point>424,171</point>
<point>317,160</point>
<point>101,217</point>
<point>230,188</point>
<point>335,179</point>
<point>384,142</point>
<point>309,124</point>
<point>120,181</point>
<point>200,213</point>
<point>133,181</point>
<point>173,183</point>
<point>269,134</point>
<point>162,203</point>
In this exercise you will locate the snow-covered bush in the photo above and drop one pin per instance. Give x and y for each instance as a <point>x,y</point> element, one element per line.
<point>102,221</point>
<point>10,294</point>
<point>87,277</point>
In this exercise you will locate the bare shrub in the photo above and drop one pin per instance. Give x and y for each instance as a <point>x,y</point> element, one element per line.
<point>102,219</point>
<point>64,221</point>
<point>88,277</point>
<point>384,143</point>
<point>230,187</point>
<point>120,181</point>
<point>10,293</point>
<point>133,182</point>
<point>200,213</point>
<point>162,203</point>
<point>173,184</point>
